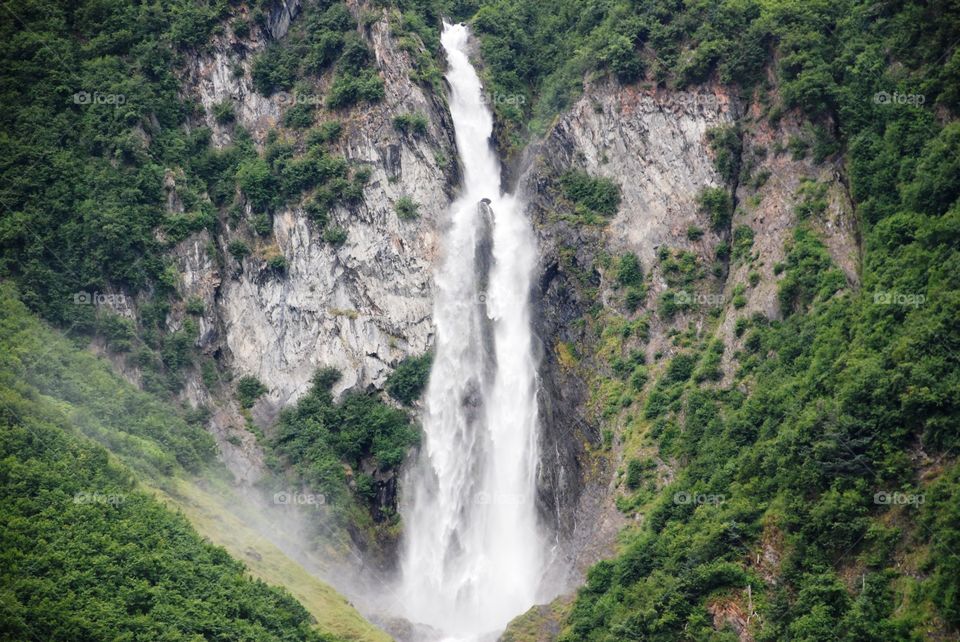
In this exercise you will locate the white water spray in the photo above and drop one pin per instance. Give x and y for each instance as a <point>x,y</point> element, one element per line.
<point>473,555</point>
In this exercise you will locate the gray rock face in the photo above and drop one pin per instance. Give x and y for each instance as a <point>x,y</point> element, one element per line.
<point>361,306</point>
<point>654,144</point>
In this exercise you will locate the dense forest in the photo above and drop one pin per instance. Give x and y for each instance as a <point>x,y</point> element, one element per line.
<point>838,410</point>
<point>88,553</point>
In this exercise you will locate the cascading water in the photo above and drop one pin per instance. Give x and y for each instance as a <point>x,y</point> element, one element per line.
<point>473,554</point>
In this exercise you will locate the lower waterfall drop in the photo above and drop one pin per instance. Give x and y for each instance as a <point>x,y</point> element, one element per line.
<point>473,555</point>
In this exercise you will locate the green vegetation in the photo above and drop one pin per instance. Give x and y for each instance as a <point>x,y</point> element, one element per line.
<point>629,271</point>
<point>319,438</point>
<point>742,242</point>
<point>325,35</point>
<point>407,208</point>
<point>716,203</point>
<point>249,389</point>
<point>593,198</point>
<point>98,139</point>
<point>223,112</point>
<point>335,236</point>
<point>782,473</point>
<point>87,553</point>
<point>408,381</point>
<point>415,124</point>
<point>725,143</point>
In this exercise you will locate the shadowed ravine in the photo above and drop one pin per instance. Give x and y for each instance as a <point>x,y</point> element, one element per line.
<point>473,555</point>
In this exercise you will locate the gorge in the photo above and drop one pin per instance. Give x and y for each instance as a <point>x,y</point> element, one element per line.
<point>478,320</point>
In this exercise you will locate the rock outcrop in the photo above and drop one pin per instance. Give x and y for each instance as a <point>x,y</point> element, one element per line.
<point>361,306</point>
<point>655,145</point>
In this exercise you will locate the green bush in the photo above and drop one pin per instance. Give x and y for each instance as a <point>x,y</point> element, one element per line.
<point>408,381</point>
<point>195,306</point>
<point>415,124</point>
<point>335,236</point>
<point>326,132</point>
<point>299,116</point>
<point>318,436</point>
<point>277,263</point>
<point>407,209</point>
<point>223,112</point>
<point>725,143</point>
<point>742,242</point>
<point>349,90</point>
<point>589,195</point>
<point>715,202</point>
<point>249,389</point>
<point>629,271</point>
<point>635,471</point>
<point>238,249</point>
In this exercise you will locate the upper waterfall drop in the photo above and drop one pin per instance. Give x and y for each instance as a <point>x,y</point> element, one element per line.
<point>473,554</point>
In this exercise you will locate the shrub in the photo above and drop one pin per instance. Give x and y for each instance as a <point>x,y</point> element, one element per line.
<point>277,263</point>
<point>223,112</point>
<point>590,195</point>
<point>629,271</point>
<point>262,224</point>
<point>411,123</point>
<point>635,470</point>
<point>407,382</point>
<point>257,182</point>
<point>742,242</point>
<point>326,132</point>
<point>241,28</point>
<point>407,208</point>
<point>335,236</point>
<point>195,306</point>
<point>299,116</point>
<point>238,249</point>
<point>349,90</point>
<point>635,297</point>
<point>715,202</point>
<point>249,389</point>
<point>725,143</point>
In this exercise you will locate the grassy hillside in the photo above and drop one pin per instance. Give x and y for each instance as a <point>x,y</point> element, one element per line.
<point>89,552</point>
<point>221,518</point>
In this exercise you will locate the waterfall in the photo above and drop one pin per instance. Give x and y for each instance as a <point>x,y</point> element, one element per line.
<point>472,557</point>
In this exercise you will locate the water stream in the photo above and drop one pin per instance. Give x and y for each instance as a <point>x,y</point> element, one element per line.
<point>473,554</point>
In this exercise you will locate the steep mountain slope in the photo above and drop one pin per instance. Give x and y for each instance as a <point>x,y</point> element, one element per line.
<point>747,284</point>
<point>89,554</point>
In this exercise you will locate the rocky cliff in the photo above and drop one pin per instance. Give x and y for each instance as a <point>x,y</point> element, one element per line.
<point>364,305</point>
<point>361,306</point>
<point>656,145</point>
